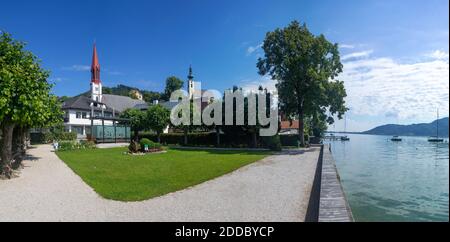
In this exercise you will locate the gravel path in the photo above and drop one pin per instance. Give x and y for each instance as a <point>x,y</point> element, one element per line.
<point>274,189</point>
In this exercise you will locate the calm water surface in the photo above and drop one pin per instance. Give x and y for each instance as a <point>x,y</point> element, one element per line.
<point>394,181</point>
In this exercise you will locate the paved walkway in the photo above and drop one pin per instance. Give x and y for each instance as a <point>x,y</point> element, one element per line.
<point>274,189</point>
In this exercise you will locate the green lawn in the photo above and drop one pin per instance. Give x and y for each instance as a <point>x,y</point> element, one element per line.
<point>118,176</point>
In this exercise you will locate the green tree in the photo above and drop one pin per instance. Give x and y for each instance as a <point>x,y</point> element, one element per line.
<point>26,99</point>
<point>150,96</point>
<point>158,118</point>
<point>305,67</point>
<point>137,121</point>
<point>173,83</point>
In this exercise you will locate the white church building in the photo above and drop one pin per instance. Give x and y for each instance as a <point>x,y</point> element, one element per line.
<point>79,110</point>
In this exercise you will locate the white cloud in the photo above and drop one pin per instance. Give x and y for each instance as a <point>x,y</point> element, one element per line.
<point>438,54</point>
<point>354,55</point>
<point>57,79</point>
<point>346,46</point>
<point>383,87</point>
<point>384,90</point>
<point>253,85</point>
<point>77,68</point>
<point>354,125</point>
<point>253,49</point>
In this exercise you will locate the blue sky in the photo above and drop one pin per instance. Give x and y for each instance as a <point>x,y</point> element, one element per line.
<point>395,53</point>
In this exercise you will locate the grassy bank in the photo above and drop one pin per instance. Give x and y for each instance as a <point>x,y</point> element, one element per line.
<point>118,176</point>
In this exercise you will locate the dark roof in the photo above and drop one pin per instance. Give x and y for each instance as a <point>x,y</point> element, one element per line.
<point>112,102</point>
<point>82,103</point>
<point>120,103</point>
<point>168,105</point>
<point>141,106</point>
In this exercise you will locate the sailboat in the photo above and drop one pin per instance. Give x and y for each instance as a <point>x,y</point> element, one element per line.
<point>345,137</point>
<point>396,138</point>
<point>436,139</point>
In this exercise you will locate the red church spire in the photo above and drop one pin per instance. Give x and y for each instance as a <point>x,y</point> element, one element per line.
<point>95,67</point>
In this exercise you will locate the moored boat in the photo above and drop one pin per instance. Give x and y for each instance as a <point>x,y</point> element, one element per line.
<point>396,138</point>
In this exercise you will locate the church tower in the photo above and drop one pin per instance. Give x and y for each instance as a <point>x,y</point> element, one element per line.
<point>96,83</point>
<point>191,86</point>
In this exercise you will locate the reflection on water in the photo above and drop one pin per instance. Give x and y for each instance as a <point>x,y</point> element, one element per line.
<point>394,181</point>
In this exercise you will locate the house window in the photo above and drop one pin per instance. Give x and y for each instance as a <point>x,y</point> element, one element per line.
<point>78,114</point>
<point>77,129</point>
<point>84,115</point>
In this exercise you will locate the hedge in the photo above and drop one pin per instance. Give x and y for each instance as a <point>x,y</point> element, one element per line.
<point>74,145</point>
<point>48,137</point>
<point>237,141</point>
<point>200,139</point>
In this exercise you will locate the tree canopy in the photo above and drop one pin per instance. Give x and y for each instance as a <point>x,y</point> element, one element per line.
<point>26,99</point>
<point>305,67</point>
<point>158,118</point>
<point>173,83</point>
<point>137,120</point>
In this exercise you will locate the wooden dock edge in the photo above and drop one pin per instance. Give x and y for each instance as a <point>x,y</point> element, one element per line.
<point>327,202</point>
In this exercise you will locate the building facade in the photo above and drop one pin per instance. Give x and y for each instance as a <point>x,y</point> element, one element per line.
<point>81,112</point>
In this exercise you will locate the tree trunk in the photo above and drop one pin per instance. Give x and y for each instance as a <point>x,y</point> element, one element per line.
<point>6,150</point>
<point>217,136</point>
<point>185,136</point>
<point>23,140</point>
<point>301,126</point>
<point>15,144</point>
<point>136,135</point>
<point>158,134</point>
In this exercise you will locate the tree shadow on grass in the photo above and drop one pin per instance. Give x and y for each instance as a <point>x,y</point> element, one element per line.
<point>223,151</point>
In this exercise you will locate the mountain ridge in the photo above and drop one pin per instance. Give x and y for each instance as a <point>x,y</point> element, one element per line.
<point>420,129</point>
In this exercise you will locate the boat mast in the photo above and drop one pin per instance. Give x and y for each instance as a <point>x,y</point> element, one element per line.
<point>345,124</point>
<point>437,124</point>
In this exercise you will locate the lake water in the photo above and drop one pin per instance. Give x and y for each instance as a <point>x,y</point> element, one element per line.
<point>394,181</point>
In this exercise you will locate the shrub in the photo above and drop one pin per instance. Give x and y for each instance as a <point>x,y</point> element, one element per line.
<point>38,138</point>
<point>74,145</point>
<point>66,136</point>
<point>134,147</point>
<point>272,142</point>
<point>87,144</point>
<point>67,145</point>
<point>201,139</point>
<point>145,142</point>
<point>289,140</point>
<point>150,144</point>
<point>48,137</point>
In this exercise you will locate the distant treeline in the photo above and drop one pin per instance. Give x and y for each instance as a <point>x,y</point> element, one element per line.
<point>123,90</point>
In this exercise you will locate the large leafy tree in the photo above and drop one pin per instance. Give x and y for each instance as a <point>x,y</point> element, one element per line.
<point>173,83</point>
<point>158,118</point>
<point>305,67</point>
<point>26,99</point>
<point>137,120</point>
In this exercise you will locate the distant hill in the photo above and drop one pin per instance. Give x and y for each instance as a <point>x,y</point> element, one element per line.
<point>123,90</point>
<point>424,129</point>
